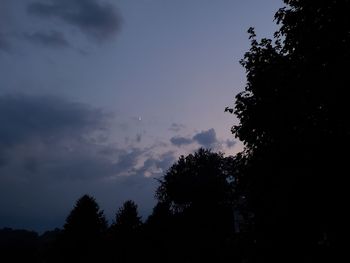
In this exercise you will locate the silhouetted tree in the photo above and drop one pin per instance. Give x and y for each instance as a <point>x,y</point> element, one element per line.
<point>199,193</point>
<point>199,179</point>
<point>161,214</point>
<point>125,234</point>
<point>127,217</point>
<point>50,247</point>
<point>158,231</point>
<point>19,245</point>
<point>294,122</point>
<point>82,237</point>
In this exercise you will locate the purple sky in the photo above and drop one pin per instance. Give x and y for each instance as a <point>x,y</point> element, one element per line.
<point>100,97</point>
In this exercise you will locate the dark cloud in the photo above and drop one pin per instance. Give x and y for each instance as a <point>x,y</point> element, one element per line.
<point>206,139</point>
<point>127,161</point>
<point>138,137</point>
<point>230,143</point>
<point>179,141</point>
<point>31,165</point>
<point>157,165</point>
<point>4,44</point>
<point>49,147</point>
<point>95,19</point>
<point>5,25</point>
<point>166,160</point>
<point>49,135</point>
<point>176,127</point>
<point>52,39</point>
<point>48,118</point>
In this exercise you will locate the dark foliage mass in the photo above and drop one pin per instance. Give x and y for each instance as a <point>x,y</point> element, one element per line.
<point>283,199</point>
<point>125,234</point>
<point>294,122</point>
<point>83,233</point>
<point>193,221</point>
<point>195,208</point>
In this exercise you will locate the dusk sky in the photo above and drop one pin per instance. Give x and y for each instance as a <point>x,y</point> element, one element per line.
<point>101,97</point>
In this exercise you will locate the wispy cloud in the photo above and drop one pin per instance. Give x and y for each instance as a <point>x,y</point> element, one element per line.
<point>179,141</point>
<point>4,44</point>
<point>51,147</point>
<point>176,127</point>
<point>50,24</point>
<point>52,39</point>
<point>95,19</point>
<point>230,143</point>
<point>207,139</point>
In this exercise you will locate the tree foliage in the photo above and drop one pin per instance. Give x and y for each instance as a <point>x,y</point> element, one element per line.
<point>196,201</point>
<point>83,232</point>
<point>197,180</point>
<point>127,217</point>
<point>125,234</point>
<point>294,123</point>
<point>86,219</point>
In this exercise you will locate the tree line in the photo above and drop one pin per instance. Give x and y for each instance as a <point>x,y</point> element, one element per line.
<point>193,221</point>
<point>283,198</point>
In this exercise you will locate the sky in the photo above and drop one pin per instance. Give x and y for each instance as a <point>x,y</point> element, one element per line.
<point>102,97</point>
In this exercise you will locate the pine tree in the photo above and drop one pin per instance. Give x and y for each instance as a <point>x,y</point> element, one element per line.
<point>83,233</point>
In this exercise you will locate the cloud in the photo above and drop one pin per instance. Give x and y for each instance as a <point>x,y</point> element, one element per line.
<point>50,147</point>
<point>52,39</point>
<point>206,139</point>
<point>157,165</point>
<point>128,160</point>
<point>100,21</point>
<point>138,137</point>
<point>95,20</point>
<point>48,118</point>
<point>51,138</point>
<point>4,44</point>
<point>179,141</point>
<point>176,127</point>
<point>49,135</point>
<point>5,25</point>
<point>230,143</point>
